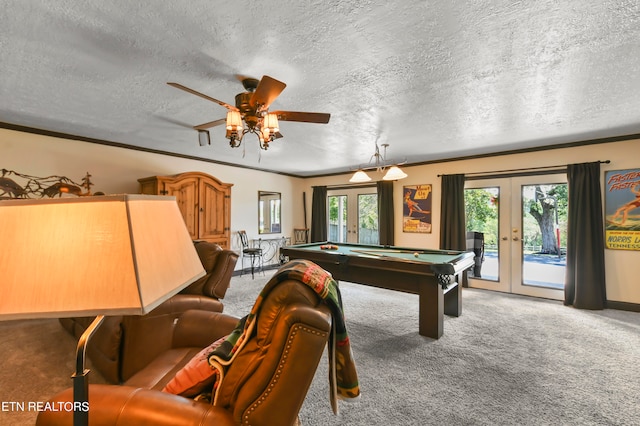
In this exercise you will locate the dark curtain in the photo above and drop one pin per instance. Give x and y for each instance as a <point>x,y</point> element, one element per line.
<point>453,235</point>
<point>585,277</point>
<point>319,214</point>
<point>385,212</point>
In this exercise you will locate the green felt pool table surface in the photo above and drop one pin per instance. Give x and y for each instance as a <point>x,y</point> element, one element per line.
<point>434,275</point>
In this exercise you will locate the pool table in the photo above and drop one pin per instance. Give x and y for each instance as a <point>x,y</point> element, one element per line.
<point>434,275</point>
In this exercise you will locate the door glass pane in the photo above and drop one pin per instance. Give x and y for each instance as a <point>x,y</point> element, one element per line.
<point>338,218</point>
<point>368,219</point>
<point>481,211</point>
<point>544,235</point>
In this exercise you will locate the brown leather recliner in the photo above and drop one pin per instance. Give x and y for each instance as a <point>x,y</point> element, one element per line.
<point>219,265</point>
<point>266,383</point>
<point>113,350</point>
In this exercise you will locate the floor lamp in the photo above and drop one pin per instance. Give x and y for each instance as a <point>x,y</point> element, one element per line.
<point>92,256</point>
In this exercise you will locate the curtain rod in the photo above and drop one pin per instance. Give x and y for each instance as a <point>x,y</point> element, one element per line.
<point>558,168</point>
<point>348,186</point>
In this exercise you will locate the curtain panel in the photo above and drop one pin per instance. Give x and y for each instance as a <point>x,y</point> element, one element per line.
<point>585,285</point>
<point>453,234</point>
<point>319,214</point>
<point>385,212</point>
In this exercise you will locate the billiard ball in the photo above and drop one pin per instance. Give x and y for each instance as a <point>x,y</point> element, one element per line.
<point>416,254</point>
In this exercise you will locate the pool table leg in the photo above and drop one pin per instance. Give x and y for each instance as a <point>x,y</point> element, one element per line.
<point>453,299</point>
<point>434,304</point>
<point>431,310</point>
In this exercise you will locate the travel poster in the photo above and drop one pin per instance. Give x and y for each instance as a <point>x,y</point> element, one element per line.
<point>622,209</point>
<point>416,209</point>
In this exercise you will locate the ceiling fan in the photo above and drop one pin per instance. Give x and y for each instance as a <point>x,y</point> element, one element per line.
<point>251,113</point>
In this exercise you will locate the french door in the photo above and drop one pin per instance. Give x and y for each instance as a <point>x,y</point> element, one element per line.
<point>523,222</point>
<point>353,215</point>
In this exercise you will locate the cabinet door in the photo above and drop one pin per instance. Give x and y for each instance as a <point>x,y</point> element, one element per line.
<point>186,193</point>
<point>214,212</point>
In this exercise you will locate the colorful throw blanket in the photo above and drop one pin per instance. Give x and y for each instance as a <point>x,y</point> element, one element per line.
<point>343,377</point>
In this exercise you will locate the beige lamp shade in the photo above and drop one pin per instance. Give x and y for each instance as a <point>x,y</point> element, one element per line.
<point>234,121</point>
<point>359,177</point>
<point>394,173</point>
<point>110,255</point>
<point>270,123</point>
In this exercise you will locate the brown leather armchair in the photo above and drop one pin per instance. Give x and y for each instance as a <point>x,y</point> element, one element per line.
<point>113,350</point>
<point>265,385</point>
<point>219,265</point>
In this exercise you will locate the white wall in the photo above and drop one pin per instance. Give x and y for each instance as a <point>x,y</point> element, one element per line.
<point>621,271</point>
<point>116,170</point>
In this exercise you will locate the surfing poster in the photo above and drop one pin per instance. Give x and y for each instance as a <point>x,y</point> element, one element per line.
<point>416,208</point>
<point>622,209</point>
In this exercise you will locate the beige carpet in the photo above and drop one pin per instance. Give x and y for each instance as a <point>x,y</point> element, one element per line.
<point>507,360</point>
<point>38,359</point>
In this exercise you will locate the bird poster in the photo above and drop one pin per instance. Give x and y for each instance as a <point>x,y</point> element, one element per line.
<point>416,209</point>
<point>622,209</point>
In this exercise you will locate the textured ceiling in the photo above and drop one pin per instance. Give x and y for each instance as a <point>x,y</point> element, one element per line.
<point>433,79</point>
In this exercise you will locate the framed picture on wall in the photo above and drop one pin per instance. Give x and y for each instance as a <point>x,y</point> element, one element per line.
<point>622,209</point>
<point>416,208</point>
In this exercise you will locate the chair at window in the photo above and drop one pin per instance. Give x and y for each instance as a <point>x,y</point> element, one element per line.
<point>254,254</point>
<point>300,235</point>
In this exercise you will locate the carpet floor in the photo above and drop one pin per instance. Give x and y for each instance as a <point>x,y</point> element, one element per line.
<point>508,360</point>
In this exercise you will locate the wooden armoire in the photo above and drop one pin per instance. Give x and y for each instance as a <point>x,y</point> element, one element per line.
<point>204,201</point>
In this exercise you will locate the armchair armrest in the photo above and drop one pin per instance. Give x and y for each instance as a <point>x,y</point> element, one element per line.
<point>126,405</point>
<point>189,330</point>
<point>147,336</point>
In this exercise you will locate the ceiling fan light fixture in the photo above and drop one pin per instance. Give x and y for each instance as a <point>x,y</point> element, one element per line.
<point>265,137</point>
<point>235,128</point>
<point>270,123</point>
<point>234,121</point>
<point>394,173</point>
<point>268,129</point>
<point>359,177</point>
<point>251,115</point>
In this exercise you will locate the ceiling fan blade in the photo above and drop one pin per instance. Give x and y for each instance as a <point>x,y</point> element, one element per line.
<point>210,124</point>
<point>305,117</point>
<point>202,95</point>
<point>267,91</point>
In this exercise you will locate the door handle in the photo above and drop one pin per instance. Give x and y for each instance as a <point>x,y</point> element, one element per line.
<point>504,238</point>
<point>515,238</point>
